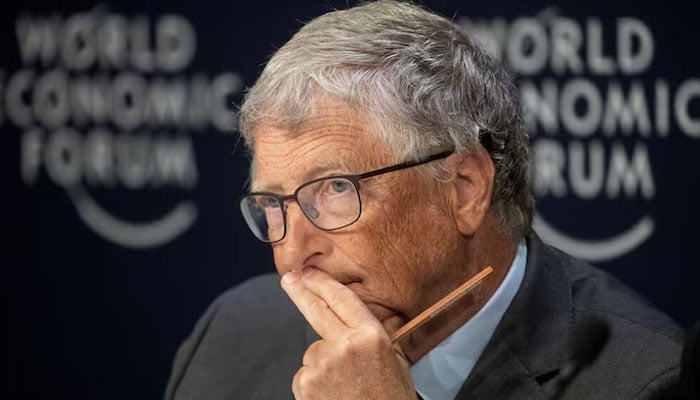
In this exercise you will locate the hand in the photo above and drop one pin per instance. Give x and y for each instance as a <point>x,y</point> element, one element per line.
<point>355,358</point>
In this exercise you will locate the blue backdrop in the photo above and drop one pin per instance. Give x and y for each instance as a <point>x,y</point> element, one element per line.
<point>121,165</point>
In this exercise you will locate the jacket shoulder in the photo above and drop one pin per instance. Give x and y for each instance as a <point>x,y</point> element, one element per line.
<point>642,356</point>
<point>248,344</point>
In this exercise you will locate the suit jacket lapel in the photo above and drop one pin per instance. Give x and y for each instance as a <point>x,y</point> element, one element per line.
<point>528,345</point>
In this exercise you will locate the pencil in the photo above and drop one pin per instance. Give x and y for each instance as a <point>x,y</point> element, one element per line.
<point>440,305</point>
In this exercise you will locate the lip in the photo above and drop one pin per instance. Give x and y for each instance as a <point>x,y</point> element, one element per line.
<point>354,283</point>
<point>351,282</point>
<point>344,279</point>
<point>378,309</point>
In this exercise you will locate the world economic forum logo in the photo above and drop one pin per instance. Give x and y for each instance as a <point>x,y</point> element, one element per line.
<point>104,103</point>
<point>593,106</point>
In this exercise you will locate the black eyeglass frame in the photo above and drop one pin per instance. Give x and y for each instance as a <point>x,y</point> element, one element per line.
<point>353,178</point>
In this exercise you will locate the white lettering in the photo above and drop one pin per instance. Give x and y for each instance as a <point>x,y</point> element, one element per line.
<point>598,63</point>
<point>491,35</point>
<point>77,47</point>
<point>628,30</point>
<point>112,41</point>
<point>688,90</point>
<point>200,100</point>
<point>541,108</point>
<point>630,174</point>
<point>662,107</point>
<point>90,100</point>
<point>128,100</point>
<point>31,155</point>
<point>104,159</point>
<point>166,102</point>
<point>37,39</point>
<point>141,54</point>
<point>63,157</point>
<point>16,93</point>
<point>566,44</point>
<point>626,114</point>
<point>98,167</point>
<point>581,107</point>
<point>527,47</point>
<point>176,43</point>
<point>174,161</point>
<point>132,160</point>
<point>223,87</point>
<point>586,186</point>
<point>549,164</point>
<point>50,99</point>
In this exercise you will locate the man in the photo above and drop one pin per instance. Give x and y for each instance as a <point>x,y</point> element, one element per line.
<point>389,165</point>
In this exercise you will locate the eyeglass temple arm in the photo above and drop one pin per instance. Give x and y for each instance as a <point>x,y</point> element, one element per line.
<point>405,165</point>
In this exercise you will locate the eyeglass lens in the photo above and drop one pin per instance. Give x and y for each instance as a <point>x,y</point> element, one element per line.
<point>329,204</point>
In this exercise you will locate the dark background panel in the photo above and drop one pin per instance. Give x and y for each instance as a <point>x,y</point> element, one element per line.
<point>85,317</point>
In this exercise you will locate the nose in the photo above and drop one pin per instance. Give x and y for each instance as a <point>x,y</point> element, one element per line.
<point>301,244</point>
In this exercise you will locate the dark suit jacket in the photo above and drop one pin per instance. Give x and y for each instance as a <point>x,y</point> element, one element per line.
<point>250,342</point>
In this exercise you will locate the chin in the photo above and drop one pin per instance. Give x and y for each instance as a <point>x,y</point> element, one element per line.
<point>380,311</point>
<point>383,313</point>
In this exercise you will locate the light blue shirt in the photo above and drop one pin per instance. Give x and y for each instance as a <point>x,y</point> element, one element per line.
<point>440,374</point>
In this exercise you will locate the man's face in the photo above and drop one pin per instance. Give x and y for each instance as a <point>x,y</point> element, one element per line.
<point>402,254</point>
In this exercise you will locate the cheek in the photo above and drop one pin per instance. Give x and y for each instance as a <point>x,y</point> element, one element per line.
<point>418,240</point>
<point>279,265</point>
<point>401,247</point>
<point>393,254</point>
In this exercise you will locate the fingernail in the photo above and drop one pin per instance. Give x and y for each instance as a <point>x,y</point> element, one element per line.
<point>290,277</point>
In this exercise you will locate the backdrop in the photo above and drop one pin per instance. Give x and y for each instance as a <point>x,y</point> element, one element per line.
<point>121,165</point>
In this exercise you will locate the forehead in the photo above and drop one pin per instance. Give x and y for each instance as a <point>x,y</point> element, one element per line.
<point>337,140</point>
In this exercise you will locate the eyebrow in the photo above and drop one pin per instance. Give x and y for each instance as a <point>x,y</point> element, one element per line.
<point>319,170</point>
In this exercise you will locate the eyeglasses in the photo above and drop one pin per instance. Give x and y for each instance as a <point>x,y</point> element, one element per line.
<point>330,203</point>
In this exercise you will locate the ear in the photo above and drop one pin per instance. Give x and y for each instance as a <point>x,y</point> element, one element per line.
<point>472,187</point>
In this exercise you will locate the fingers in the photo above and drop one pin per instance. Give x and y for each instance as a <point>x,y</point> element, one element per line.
<point>355,358</point>
<point>315,309</point>
<point>327,304</point>
<point>299,382</point>
<point>343,301</point>
<point>308,371</point>
<point>312,354</point>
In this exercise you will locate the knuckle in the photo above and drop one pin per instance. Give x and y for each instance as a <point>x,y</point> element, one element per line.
<point>374,339</point>
<point>296,389</point>
<point>338,295</point>
<point>369,340</point>
<point>307,359</point>
<point>334,298</point>
<point>302,382</point>
<point>312,353</point>
<point>318,306</point>
<point>342,349</point>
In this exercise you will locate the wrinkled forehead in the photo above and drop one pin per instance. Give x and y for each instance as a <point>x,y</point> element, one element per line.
<point>337,141</point>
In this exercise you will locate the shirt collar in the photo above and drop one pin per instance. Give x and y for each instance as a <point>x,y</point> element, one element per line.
<point>441,372</point>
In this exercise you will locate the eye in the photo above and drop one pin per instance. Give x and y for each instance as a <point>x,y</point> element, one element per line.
<point>340,186</point>
<point>268,202</point>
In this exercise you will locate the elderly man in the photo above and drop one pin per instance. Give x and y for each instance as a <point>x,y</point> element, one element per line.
<point>389,165</point>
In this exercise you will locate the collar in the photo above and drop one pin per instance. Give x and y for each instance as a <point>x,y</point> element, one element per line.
<point>528,344</point>
<point>441,372</point>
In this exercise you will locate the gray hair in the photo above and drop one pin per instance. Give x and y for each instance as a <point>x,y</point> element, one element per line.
<point>420,80</point>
